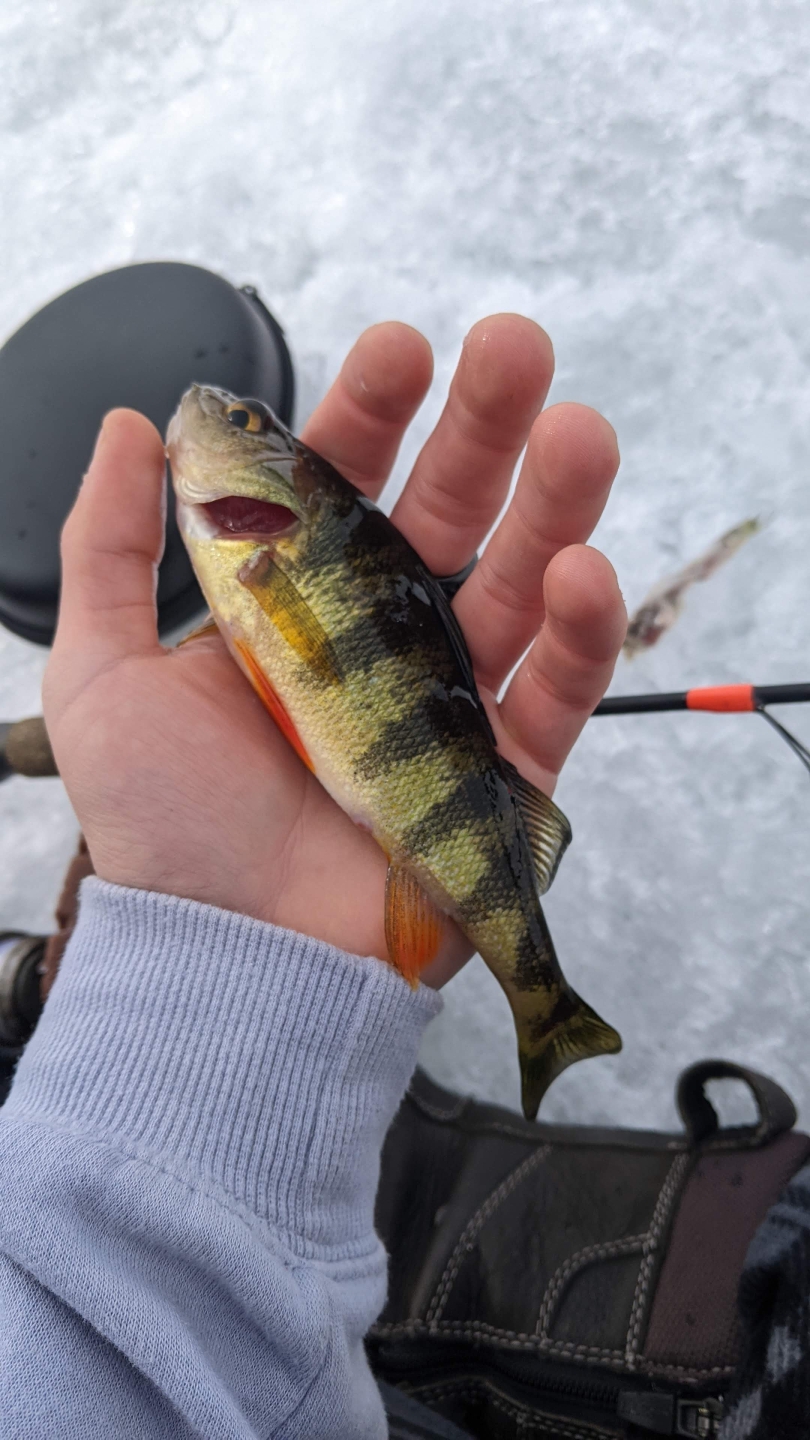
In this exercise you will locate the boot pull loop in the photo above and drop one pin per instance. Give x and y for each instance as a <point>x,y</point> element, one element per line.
<point>777,1112</point>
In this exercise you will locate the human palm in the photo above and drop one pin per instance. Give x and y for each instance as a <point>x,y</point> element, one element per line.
<point>179,777</point>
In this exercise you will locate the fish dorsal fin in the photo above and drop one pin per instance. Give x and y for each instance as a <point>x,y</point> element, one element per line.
<point>290,613</point>
<point>455,635</point>
<point>451,584</point>
<point>547,828</point>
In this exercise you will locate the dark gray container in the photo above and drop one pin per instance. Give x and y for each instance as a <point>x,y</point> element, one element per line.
<point>138,336</point>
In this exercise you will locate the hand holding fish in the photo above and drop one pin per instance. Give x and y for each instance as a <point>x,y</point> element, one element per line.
<point>183,783</point>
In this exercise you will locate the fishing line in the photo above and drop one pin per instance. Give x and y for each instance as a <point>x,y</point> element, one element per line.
<point>796,745</point>
<point>721,700</point>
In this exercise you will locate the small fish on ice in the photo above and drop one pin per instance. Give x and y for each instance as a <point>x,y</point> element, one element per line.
<point>660,609</point>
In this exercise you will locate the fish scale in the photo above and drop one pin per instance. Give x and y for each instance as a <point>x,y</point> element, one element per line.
<point>356,653</point>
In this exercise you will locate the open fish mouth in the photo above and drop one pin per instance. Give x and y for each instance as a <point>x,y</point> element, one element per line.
<point>243,517</point>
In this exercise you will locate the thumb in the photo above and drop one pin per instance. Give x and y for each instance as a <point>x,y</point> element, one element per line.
<point>111,544</point>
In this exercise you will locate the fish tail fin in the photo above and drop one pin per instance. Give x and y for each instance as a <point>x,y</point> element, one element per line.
<point>576,1035</point>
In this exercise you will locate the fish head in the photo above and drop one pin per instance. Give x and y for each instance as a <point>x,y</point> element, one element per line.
<point>234,468</point>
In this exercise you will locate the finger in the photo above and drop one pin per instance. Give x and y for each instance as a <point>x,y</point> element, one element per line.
<point>564,482</point>
<point>111,544</point>
<point>359,424</point>
<point>461,477</point>
<point>568,668</point>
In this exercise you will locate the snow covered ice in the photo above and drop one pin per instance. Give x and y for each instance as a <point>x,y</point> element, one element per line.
<point>632,175</point>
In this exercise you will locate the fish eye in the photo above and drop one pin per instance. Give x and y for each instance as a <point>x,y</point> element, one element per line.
<point>245,416</point>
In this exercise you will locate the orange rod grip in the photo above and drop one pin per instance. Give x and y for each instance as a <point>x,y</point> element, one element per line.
<point>724,698</point>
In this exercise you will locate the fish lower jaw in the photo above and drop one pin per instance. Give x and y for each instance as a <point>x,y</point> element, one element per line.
<point>194,521</point>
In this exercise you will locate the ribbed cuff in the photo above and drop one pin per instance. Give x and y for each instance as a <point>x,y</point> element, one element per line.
<point>240,1056</point>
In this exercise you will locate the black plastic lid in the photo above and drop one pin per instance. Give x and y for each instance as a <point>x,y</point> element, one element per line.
<point>137,336</point>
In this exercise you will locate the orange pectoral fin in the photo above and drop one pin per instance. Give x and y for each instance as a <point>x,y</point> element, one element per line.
<point>413,925</point>
<point>271,701</point>
<point>278,597</point>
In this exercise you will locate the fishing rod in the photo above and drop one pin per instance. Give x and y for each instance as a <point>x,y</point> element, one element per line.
<point>722,700</point>
<point>25,748</point>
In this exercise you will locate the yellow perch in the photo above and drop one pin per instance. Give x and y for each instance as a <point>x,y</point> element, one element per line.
<point>353,646</point>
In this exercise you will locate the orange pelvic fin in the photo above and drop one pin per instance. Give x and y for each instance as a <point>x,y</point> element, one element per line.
<point>271,702</point>
<point>413,925</point>
<point>207,627</point>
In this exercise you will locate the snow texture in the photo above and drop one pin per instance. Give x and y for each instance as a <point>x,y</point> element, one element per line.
<point>634,175</point>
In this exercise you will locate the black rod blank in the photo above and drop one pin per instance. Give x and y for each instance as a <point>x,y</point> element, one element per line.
<point>719,698</point>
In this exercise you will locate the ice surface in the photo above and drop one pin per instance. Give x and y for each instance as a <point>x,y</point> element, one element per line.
<point>634,175</point>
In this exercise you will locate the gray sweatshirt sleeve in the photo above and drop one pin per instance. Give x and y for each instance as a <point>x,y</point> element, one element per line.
<point>188,1163</point>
